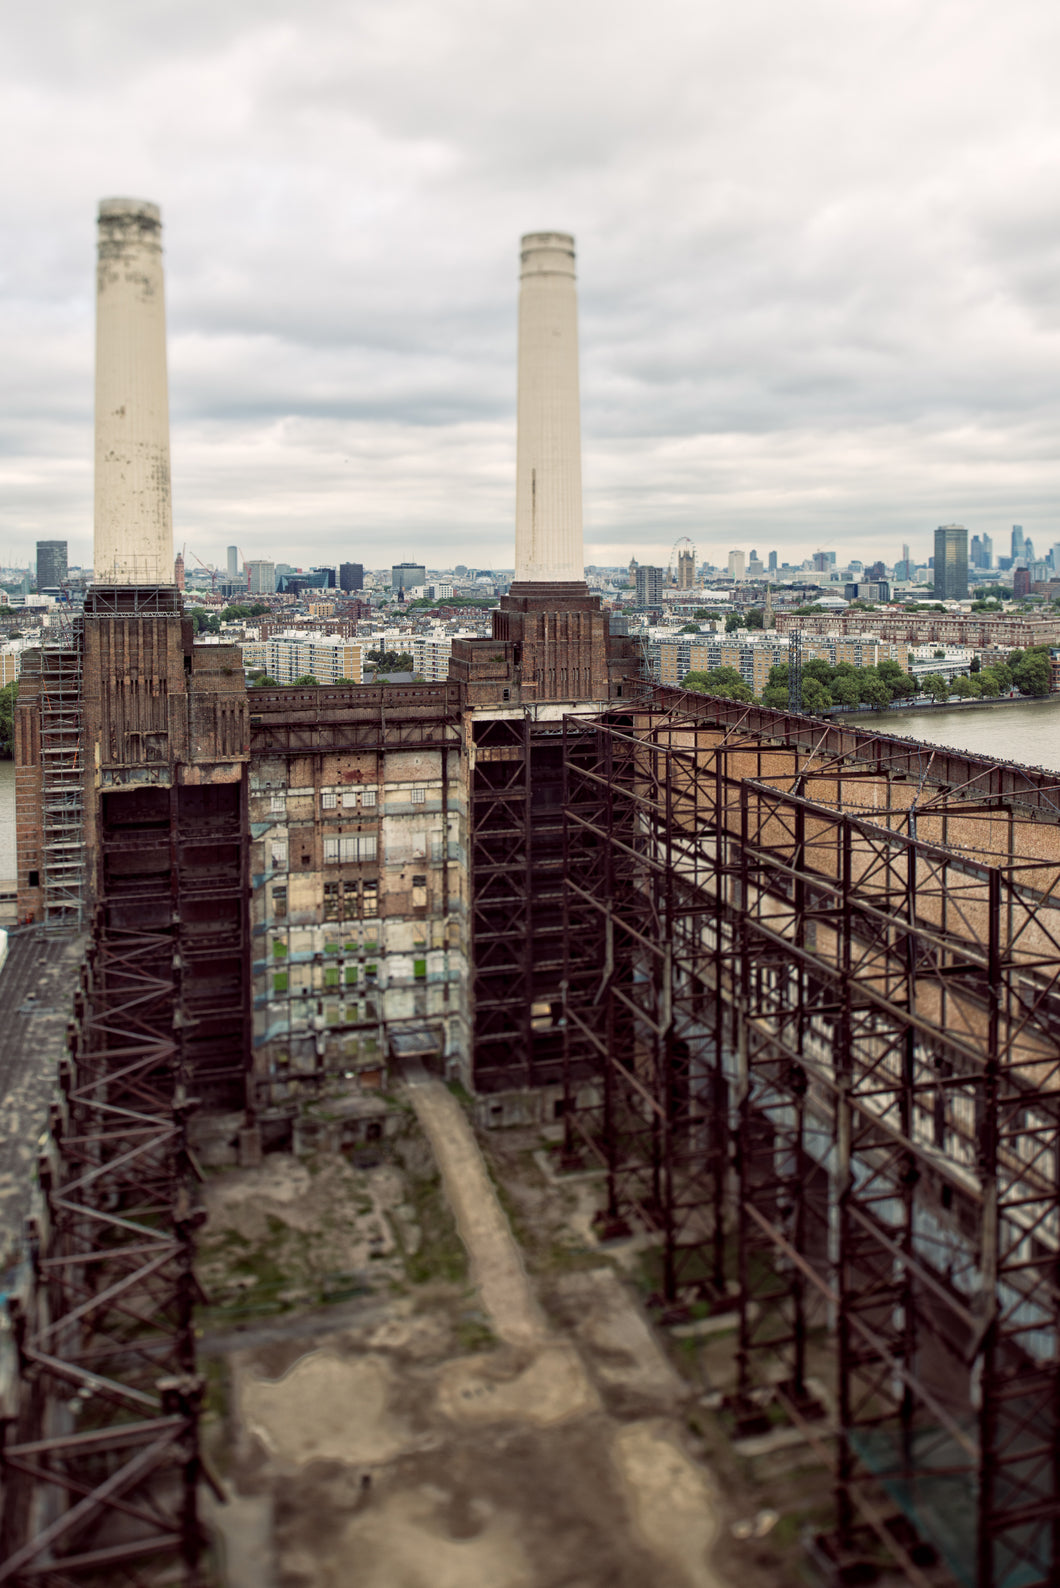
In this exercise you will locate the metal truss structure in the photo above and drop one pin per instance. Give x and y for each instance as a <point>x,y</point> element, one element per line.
<point>62,787</point>
<point>516,872</point>
<point>101,1476</point>
<point>102,1472</point>
<point>815,982</point>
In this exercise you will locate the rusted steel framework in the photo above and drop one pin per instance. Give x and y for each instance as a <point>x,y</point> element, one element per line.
<point>500,866</point>
<point>819,993</point>
<point>516,880</point>
<point>101,1476</point>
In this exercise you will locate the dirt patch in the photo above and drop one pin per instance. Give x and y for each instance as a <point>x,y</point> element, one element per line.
<point>326,1407</point>
<point>673,1505</point>
<point>552,1388</point>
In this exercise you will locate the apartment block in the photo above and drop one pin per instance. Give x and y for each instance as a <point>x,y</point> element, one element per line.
<point>290,656</point>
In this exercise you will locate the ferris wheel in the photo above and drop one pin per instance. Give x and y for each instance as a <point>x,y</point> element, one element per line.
<point>682,548</point>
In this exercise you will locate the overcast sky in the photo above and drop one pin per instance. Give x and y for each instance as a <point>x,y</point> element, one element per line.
<point>818,253</point>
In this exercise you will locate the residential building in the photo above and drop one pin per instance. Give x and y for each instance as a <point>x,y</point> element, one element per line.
<point>650,584</point>
<point>288,656</point>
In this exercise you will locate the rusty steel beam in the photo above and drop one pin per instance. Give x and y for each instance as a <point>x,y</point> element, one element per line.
<point>830,1049</point>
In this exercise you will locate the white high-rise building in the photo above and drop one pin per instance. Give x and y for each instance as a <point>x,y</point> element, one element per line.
<point>133,515</point>
<point>548,492</point>
<point>737,565</point>
<point>261,577</point>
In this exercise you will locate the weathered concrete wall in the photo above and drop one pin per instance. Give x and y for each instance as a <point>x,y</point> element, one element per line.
<point>133,516</point>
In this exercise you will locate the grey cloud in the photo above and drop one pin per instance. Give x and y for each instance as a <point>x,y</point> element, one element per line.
<point>818,255</point>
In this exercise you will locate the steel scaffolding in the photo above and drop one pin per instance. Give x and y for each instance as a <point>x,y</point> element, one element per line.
<point>819,998</point>
<point>62,787</point>
<point>101,1471</point>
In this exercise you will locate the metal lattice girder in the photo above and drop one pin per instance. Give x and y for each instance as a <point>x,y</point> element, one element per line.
<point>110,1347</point>
<point>846,1021</point>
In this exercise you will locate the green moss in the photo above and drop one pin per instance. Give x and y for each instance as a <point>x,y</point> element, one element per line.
<point>474,1334</point>
<point>279,950</point>
<point>279,981</point>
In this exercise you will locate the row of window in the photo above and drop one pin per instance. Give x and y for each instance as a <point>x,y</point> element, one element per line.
<point>345,799</point>
<point>343,901</point>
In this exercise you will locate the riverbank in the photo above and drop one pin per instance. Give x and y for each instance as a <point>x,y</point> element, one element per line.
<point>923,704</point>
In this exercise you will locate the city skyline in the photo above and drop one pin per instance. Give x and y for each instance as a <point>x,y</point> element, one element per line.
<point>785,339</point>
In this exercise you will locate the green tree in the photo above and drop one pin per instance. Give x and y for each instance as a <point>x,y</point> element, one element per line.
<point>815,697</point>
<point>1031,674</point>
<point>8,696</point>
<point>307,681</point>
<point>689,628</point>
<point>391,661</point>
<point>845,691</point>
<point>965,688</point>
<point>936,686</point>
<point>724,681</point>
<point>988,682</point>
<point>263,681</point>
<point>876,694</point>
<point>902,687</point>
<point>205,622</point>
<point>975,665</point>
<point>700,613</point>
<point>1003,673</point>
<point>819,669</point>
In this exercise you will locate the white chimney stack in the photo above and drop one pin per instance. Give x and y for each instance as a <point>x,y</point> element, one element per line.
<point>133,514</point>
<point>548,510</point>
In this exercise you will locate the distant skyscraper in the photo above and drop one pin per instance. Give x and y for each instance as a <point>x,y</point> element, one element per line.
<point>772,562</point>
<point>951,562</point>
<point>1017,542</point>
<point>261,578</point>
<point>650,583</point>
<point>51,564</point>
<point>178,571</point>
<point>233,562</point>
<point>351,576</point>
<point>737,564</point>
<point>986,551</point>
<point>407,575</point>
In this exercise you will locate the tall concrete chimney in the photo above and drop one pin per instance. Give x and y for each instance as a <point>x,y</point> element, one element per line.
<point>133,517</point>
<point>548,508</point>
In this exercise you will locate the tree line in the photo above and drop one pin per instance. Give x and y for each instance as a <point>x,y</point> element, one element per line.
<point>882,685</point>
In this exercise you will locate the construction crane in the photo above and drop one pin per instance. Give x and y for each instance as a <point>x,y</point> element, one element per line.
<point>211,571</point>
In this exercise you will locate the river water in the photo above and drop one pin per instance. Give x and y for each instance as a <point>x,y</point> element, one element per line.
<point>1026,730</point>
